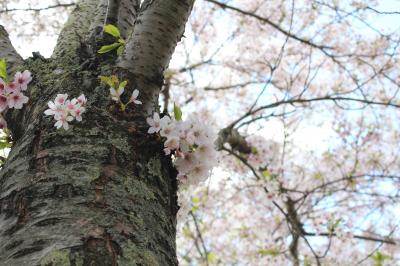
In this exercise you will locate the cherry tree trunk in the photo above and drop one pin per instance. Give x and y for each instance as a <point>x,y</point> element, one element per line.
<point>102,192</point>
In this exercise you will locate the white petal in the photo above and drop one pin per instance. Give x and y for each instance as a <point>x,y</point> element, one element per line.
<point>58,124</point>
<point>135,94</point>
<point>65,125</point>
<point>49,112</point>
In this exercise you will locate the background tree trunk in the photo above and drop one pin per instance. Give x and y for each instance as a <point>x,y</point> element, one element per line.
<point>103,192</point>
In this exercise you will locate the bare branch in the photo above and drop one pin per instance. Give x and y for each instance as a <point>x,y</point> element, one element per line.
<point>272,24</point>
<point>379,239</point>
<point>37,9</point>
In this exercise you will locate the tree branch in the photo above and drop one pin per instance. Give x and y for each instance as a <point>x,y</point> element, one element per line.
<point>272,24</point>
<point>76,29</point>
<point>38,9</point>
<point>384,240</point>
<point>8,51</point>
<point>127,14</point>
<point>158,29</point>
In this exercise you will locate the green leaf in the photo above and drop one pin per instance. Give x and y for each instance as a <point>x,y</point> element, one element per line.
<point>177,113</point>
<point>106,80</point>
<point>4,145</point>
<point>379,258</point>
<point>114,82</point>
<point>196,200</point>
<point>106,48</point>
<point>318,176</point>
<point>3,68</point>
<point>120,50</point>
<point>211,257</point>
<point>112,30</point>
<point>268,252</point>
<point>122,84</point>
<point>186,231</point>
<point>306,262</point>
<point>334,225</point>
<point>266,174</point>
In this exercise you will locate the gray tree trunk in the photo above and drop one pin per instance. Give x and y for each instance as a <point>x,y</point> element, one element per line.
<point>103,192</point>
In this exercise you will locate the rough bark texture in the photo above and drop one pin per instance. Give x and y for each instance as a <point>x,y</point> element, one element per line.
<point>158,28</point>
<point>8,51</point>
<point>127,12</point>
<point>103,192</point>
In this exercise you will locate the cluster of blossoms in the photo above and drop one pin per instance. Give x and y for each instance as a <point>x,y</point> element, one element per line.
<point>65,111</point>
<point>192,143</point>
<point>11,95</point>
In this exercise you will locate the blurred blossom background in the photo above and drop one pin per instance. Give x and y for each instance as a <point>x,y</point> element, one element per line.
<point>310,171</point>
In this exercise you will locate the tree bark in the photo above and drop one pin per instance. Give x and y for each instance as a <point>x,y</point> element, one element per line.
<point>103,192</point>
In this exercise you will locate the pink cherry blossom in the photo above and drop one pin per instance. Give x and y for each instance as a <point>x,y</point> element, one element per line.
<point>77,113</point>
<point>61,98</point>
<point>63,121</point>
<point>54,109</point>
<point>156,123</point>
<point>192,144</point>
<point>16,100</point>
<point>71,105</point>
<point>23,79</point>
<point>82,100</point>
<point>65,111</point>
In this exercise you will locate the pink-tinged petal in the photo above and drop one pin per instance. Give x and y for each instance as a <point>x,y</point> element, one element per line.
<point>60,99</point>
<point>3,123</point>
<point>3,103</point>
<point>12,88</point>
<point>137,102</point>
<point>151,130</point>
<point>82,99</point>
<point>150,121</point>
<point>27,76</point>
<point>25,99</point>
<point>156,117</point>
<point>49,112</point>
